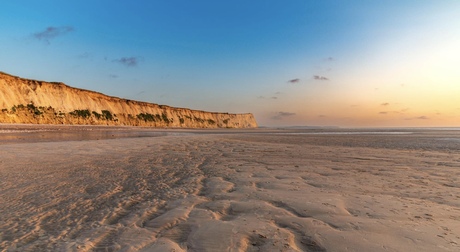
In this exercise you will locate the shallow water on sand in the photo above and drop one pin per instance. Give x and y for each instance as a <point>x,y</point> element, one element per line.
<point>37,133</point>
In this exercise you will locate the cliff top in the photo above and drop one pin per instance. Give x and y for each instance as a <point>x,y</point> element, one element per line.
<point>4,75</point>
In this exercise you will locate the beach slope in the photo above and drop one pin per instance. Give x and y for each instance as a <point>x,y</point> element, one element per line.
<point>237,191</point>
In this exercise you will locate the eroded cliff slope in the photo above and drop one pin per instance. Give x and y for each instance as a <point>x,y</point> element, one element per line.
<point>32,101</point>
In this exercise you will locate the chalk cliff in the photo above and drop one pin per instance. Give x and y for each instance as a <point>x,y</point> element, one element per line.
<point>31,101</point>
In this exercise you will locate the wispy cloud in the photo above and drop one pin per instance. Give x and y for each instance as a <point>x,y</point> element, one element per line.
<point>264,98</point>
<point>418,118</point>
<point>322,116</point>
<point>293,81</point>
<point>401,111</point>
<point>113,76</point>
<point>141,92</point>
<point>271,97</point>
<point>321,78</point>
<point>329,59</point>
<point>128,61</point>
<point>52,32</point>
<point>84,55</point>
<point>281,115</point>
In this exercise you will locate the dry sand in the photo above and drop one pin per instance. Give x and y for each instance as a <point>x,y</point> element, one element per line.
<point>229,191</point>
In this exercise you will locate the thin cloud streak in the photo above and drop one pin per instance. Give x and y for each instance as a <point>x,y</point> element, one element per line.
<point>128,61</point>
<point>85,55</point>
<point>263,97</point>
<point>402,111</point>
<point>418,118</point>
<point>321,78</point>
<point>294,81</point>
<point>52,32</point>
<point>281,115</point>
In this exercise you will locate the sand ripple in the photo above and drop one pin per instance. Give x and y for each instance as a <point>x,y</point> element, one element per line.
<point>227,192</point>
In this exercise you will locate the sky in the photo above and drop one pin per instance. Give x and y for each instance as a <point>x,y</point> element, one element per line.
<point>392,63</point>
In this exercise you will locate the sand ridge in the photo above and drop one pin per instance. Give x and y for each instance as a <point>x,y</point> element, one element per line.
<point>232,192</point>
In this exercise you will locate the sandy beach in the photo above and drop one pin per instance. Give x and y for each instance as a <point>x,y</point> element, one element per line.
<point>126,189</point>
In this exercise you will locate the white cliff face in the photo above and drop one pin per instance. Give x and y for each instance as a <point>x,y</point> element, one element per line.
<point>31,101</point>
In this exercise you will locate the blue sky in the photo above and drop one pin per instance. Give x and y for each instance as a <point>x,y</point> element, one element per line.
<point>345,63</point>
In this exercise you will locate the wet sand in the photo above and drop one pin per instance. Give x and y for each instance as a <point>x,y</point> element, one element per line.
<point>124,189</point>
